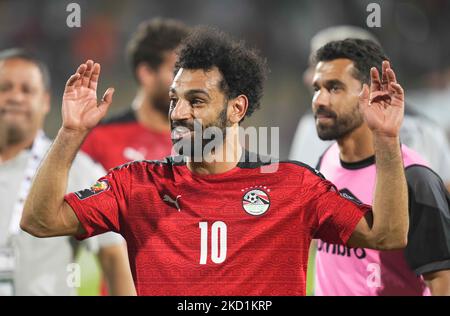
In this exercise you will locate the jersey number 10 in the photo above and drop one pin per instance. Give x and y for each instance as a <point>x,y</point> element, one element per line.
<point>218,242</point>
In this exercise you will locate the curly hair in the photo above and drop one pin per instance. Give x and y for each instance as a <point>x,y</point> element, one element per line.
<point>153,39</point>
<point>242,69</point>
<point>365,54</point>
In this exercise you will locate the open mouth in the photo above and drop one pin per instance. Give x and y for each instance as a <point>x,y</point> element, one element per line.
<point>180,132</point>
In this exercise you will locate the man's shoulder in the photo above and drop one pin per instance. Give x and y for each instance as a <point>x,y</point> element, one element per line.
<point>295,166</point>
<point>422,178</point>
<point>167,162</point>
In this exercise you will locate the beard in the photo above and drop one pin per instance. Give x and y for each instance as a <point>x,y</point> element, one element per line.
<point>341,125</point>
<point>198,136</point>
<point>11,135</point>
<point>14,132</point>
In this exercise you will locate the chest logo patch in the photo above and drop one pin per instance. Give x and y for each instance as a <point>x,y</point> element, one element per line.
<point>256,201</point>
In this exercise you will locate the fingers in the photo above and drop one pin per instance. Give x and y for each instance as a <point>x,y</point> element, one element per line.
<point>106,100</point>
<point>81,69</point>
<point>391,76</point>
<point>375,82</point>
<point>364,98</point>
<point>398,90</point>
<point>384,77</point>
<point>94,76</point>
<point>87,73</point>
<point>388,77</point>
<point>72,80</point>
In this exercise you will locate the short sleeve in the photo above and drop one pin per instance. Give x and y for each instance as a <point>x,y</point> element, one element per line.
<point>336,214</point>
<point>97,208</point>
<point>428,246</point>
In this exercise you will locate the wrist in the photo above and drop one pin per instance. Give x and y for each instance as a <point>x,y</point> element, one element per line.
<point>387,148</point>
<point>386,140</point>
<point>73,136</point>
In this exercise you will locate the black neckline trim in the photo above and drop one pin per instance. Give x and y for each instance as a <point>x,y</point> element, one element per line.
<point>248,160</point>
<point>358,164</point>
<point>251,160</point>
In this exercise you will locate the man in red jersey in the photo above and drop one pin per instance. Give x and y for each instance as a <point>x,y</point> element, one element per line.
<point>143,130</point>
<point>211,226</point>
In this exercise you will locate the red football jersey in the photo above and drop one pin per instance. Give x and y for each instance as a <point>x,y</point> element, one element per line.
<point>243,232</point>
<point>122,139</point>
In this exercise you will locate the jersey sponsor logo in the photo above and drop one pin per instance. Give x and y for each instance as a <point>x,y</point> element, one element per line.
<point>167,198</point>
<point>340,250</point>
<point>347,194</point>
<point>98,187</point>
<point>256,201</point>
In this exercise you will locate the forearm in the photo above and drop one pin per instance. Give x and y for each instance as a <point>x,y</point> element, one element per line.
<point>390,206</point>
<point>46,196</point>
<point>438,282</point>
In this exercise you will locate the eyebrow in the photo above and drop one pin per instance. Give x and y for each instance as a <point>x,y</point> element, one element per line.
<point>328,83</point>
<point>192,92</point>
<point>333,82</point>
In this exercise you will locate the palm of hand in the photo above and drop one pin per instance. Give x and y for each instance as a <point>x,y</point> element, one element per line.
<point>80,109</point>
<point>383,107</point>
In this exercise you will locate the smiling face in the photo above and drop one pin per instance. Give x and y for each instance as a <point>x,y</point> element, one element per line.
<point>196,97</point>
<point>24,101</point>
<point>335,100</point>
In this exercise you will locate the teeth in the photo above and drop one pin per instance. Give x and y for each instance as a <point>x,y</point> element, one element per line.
<point>180,131</point>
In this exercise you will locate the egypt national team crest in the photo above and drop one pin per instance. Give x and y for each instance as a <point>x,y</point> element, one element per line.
<point>97,188</point>
<point>256,201</point>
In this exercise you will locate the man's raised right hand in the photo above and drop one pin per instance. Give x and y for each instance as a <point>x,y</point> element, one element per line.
<point>80,110</point>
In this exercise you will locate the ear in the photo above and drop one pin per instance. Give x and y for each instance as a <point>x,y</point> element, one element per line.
<point>238,109</point>
<point>146,75</point>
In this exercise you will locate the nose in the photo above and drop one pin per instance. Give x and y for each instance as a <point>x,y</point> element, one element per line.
<point>15,95</point>
<point>181,111</point>
<point>321,98</point>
